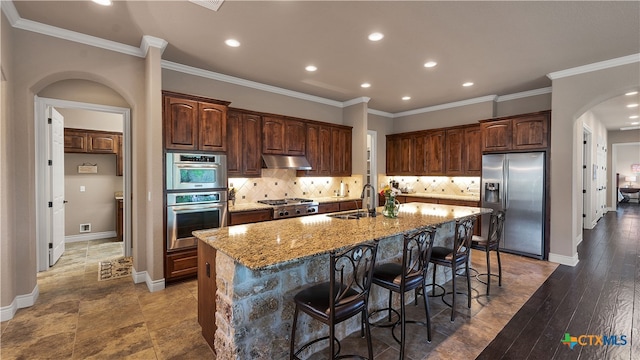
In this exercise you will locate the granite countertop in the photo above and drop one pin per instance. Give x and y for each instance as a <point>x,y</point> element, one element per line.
<point>248,207</point>
<point>267,244</point>
<point>470,197</point>
<point>331,199</point>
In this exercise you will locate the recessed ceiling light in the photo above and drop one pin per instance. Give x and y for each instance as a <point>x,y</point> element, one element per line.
<point>405,98</point>
<point>311,68</point>
<point>430,64</point>
<point>635,123</point>
<point>102,2</point>
<point>632,105</point>
<point>631,93</point>
<point>376,36</point>
<point>633,117</point>
<point>232,42</point>
<point>365,85</point>
<point>467,84</point>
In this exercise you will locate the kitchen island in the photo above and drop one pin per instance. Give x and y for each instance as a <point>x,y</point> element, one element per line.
<point>248,274</point>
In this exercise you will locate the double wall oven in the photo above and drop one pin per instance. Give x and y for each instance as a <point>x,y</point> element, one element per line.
<point>196,196</point>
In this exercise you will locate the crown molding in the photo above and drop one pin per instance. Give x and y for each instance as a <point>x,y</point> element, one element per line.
<point>152,41</point>
<point>454,104</point>
<point>625,60</point>
<point>380,113</point>
<point>169,65</point>
<point>10,12</point>
<point>358,100</point>
<point>524,94</point>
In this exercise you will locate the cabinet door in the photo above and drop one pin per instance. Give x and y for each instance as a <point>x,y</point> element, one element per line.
<point>119,219</point>
<point>436,152</point>
<point>102,143</point>
<point>454,145</point>
<point>328,208</point>
<point>181,265</point>
<point>251,145</point>
<point>180,123</point>
<point>212,124</point>
<point>295,137</point>
<point>120,156</point>
<point>318,150</point>
<point>207,288</point>
<point>324,165</point>
<point>273,135</point>
<point>406,155</point>
<point>530,132</point>
<point>496,135</point>
<point>75,141</point>
<point>393,155</point>
<point>420,146</point>
<point>246,217</point>
<point>341,152</point>
<point>472,151</point>
<point>234,144</point>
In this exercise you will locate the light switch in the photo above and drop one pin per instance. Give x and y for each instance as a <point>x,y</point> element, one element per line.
<point>82,189</point>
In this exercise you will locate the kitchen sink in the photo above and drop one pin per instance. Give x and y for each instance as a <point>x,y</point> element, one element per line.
<point>352,215</point>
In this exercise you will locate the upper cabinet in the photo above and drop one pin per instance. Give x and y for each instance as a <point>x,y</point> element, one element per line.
<point>283,136</point>
<point>340,151</point>
<point>244,134</point>
<point>193,123</point>
<point>95,142</point>
<point>450,151</point>
<point>318,150</point>
<point>521,132</point>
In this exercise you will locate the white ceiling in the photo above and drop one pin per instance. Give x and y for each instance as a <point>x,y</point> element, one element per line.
<point>504,47</point>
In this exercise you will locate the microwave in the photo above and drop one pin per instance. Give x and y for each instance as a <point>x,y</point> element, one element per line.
<point>196,171</point>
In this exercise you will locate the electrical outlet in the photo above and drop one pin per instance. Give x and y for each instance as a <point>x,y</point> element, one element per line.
<point>82,188</point>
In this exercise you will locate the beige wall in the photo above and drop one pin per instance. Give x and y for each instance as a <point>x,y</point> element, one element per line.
<point>617,137</point>
<point>356,116</point>
<point>64,60</point>
<point>96,205</point>
<point>8,259</point>
<point>525,105</point>
<point>91,120</point>
<point>382,126</point>
<point>571,97</point>
<point>250,99</point>
<point>463,115</point>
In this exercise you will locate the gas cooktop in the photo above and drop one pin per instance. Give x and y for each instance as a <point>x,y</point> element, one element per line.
<point>286,201</point>
<point>291,207</point>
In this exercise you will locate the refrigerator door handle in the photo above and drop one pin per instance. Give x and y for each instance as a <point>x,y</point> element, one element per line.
<point>505,186</point>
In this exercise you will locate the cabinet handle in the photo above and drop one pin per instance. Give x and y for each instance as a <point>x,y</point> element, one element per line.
<point>208,269</point>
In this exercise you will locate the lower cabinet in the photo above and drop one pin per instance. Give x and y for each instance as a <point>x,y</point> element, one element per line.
<point>207,291</point>
<point>181,264</point>
<point>252,216</point>
<point>350,205</point>
<point>119,219</point>
<point>325,208</point>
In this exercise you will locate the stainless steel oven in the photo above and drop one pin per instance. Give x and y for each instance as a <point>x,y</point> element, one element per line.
<point>187,212</point>
<point>196,171</point>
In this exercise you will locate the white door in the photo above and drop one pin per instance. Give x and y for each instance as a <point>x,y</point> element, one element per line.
<point>56,173</point>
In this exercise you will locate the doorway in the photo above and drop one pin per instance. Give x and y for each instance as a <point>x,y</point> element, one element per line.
<point>587,212</point>
<point>44,235</point>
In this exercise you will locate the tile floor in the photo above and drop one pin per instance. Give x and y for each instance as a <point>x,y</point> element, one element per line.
<point>78,317</point>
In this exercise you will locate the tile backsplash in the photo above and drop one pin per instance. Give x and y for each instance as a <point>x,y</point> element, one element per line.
<point>445,185</point>
<point>283,183</point>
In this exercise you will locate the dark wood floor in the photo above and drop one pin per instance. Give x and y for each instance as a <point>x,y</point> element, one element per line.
<point>599,296</point>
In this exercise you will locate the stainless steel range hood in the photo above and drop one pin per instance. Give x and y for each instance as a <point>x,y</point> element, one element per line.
<point>286,162</point>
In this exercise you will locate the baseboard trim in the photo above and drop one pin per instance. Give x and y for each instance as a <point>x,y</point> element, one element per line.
<point>143,277</point>
<point>19,302</point>
<point>564,260</point>
<point>90,236</point>
<point>579,239</point>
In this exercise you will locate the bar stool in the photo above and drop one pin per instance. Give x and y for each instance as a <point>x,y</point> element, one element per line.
<point>410,275</point>
<point>496,224</point>
<point>456,256</point>
<point>345,295</point>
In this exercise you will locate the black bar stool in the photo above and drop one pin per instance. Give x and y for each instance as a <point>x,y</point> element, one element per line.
<point>409,275</point>
<point>345,295</point>
<point>491,243</point>
<point>455,257</point>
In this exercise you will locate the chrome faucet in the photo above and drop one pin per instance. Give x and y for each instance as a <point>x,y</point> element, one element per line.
<point>372,210</point>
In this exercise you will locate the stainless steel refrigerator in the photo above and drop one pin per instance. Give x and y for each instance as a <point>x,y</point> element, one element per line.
<point>516,183</point>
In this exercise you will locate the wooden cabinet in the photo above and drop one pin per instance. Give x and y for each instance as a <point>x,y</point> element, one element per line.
<point>472,157</point>
<point>251,216</point>
<point>318,150</point>
<point>328,207</point>
<point>207,288</point>
<point>420,156</point>
<point>283,136</point>
<point>521,132</point>
<point>350,205</point>
<point>181,264</point>
<point>454,151</point>
<point>193,123</point>
<point>95,142</point>
<point>119,219</point>
<point>435,152</point>
<point>463,151</point>
<point>340,151</point>
<point>244,137</point>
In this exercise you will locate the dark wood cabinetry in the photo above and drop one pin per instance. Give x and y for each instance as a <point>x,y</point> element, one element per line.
<point>472,151</point>
<point>325,208</point>
<point>318,150</point>
<point>95,142</point>
<point>207,288</point>
<point>340,151</point>
<point>181,264</point>
<point>244,134</point>
<point>119,219</point>
<point>436,150</point>
<point>454,152</point>
<point>463,154</point>
<point>283,136</point>
<point>521,132</point>
<point>251,216</point>
<point>350,205</point>
<point>193,123</point>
